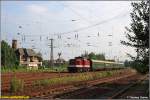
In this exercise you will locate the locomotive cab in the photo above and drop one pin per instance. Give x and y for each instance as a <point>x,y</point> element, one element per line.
<point>86,65</point>
<point>71,65</point>
<point>79,64</point>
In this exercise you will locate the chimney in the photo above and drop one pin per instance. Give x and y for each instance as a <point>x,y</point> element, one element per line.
<point>14,44</point>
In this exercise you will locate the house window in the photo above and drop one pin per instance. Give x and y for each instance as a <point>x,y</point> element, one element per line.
<point>23,58</point>
<point>31,59</point>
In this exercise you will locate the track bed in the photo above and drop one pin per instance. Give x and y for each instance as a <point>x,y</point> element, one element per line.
<point>117,89</point>
<point>103,87</point>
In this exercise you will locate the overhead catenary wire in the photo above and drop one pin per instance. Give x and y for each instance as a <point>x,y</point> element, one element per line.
<point>99,23</point>
<point>77,30</point>
<point>110,43</point>
<point>87,27</point>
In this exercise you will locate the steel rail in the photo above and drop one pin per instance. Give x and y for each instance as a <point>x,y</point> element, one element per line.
<point>122,91</point>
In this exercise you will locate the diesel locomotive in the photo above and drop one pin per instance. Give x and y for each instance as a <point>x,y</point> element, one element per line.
<point>81,64</point>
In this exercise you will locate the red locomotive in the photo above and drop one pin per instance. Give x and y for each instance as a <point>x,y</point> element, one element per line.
<point>79,64</point>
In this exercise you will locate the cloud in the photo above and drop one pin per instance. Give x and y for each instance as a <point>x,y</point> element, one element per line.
<point>38,9</point>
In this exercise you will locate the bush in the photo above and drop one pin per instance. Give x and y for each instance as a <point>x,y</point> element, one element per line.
<point>140,67</point>
<point>108,73</point>
<point>8,55</point>
<point>71,79</point>
<point>16,85</point>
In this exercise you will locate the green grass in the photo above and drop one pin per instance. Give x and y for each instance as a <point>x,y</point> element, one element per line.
<point>13,69</point>
<point>24,69</point>
<point>72,79</point>
<point>16,85</point>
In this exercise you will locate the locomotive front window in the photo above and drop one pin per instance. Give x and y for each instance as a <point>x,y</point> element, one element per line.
<point>71,62</point>
<point>78,62</point>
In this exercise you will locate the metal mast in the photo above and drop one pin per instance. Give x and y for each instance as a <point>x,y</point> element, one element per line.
<point>51,54</point>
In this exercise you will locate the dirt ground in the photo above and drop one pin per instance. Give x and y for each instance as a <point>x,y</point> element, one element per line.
<point>50,91</point>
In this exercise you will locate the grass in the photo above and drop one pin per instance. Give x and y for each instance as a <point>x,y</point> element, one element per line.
<point>16,85</point>
<point>24,69</point>
<point>60,68</point>
<point>72,79</point>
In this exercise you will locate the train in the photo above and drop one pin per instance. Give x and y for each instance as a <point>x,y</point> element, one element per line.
<point>82,64</point>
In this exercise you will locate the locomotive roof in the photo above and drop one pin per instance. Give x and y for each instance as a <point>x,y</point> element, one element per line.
<point>80,58</point>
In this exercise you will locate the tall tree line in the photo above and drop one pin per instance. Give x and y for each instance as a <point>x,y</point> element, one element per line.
<point>8,56</point>
<point>92,55</point>
<point>138,35</point>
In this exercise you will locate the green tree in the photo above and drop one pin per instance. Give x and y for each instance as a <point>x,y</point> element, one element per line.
<point>45,63</point>
<point>127,63</point>
<point>8,56</point>
<point>100,56</point>
<point>92,55</point>
<point>138,35</point>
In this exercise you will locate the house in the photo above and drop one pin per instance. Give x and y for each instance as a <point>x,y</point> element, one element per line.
<point>27,57</point>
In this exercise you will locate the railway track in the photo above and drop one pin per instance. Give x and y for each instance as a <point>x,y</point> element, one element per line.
<point>94,90</point>
<point>75,89</point>
<point>129,92</point>
<point>28,78</point>
<point>53,91</point>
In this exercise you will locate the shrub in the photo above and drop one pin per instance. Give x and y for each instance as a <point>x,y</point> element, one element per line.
<point>16,85</point>
<point>71,79</point>
<point>108,73</point>
<point>140,67</point>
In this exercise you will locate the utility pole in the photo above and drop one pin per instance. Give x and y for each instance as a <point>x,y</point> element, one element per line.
<point>51,53</point>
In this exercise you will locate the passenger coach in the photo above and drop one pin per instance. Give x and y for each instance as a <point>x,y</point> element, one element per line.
<point>81,64</point>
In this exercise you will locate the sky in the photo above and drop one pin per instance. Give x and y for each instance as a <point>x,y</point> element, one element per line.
<point>75,26</point>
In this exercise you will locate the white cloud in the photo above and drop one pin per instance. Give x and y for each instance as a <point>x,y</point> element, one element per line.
<point>37,9</point>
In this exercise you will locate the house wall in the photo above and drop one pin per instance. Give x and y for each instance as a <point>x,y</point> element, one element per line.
<point>31,61</point>
<point>34,59</point>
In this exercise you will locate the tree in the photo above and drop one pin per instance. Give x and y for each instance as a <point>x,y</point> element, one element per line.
<point>45,63</point>
<point>100,56</point>
<point>85,54</point>
<point>92,55</point>
<point>138,34</point>
<point>127,63</point>
<point>8,56</point>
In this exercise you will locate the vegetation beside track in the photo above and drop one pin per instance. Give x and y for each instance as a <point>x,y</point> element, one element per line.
<point>61,68</point>
<point>16,85</point>
<point>72,79</point>
<point>20,85</point>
